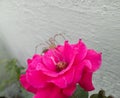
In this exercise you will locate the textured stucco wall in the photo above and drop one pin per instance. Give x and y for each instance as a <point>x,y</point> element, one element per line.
<point>25,23</point>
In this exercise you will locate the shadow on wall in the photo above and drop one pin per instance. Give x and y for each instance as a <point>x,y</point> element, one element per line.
<point>4,56</point>
<point>9,86</point>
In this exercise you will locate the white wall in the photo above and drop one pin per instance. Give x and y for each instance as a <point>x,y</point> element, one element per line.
<point>25,23</point>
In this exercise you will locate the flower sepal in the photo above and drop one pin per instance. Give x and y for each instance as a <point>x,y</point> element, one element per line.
<point>80,93</point>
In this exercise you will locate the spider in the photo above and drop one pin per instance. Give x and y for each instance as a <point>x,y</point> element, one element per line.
<point>51,43</point>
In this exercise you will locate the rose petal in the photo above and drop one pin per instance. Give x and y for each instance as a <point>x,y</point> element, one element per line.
<point>50,91</point>
<point>86,81</point>
<point>36,78</point>
<point>69,90</point>
<point>29,61</point>
<point>95,59</point>
<point>26,85</point>
<point>65,80</point>
<point>40,67</point>
<point>51,58</point>
<point>65,77</point>
<point>81,48</point>
<point>57,74</point>
<point>68,52</point>
<point>77,73</point>
<point>60,82</point>
<point>69,76</point>
<point>32,63</point>
<point>48,63</point>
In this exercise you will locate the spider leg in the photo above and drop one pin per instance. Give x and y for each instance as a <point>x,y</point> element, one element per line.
<point>56,35</point>
<point>36,47</point>
<point>51,40</point>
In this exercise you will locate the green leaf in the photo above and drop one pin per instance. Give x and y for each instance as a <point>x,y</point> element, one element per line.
<point>101,94</point>
<point>80,93</point>
<point>13,70</point>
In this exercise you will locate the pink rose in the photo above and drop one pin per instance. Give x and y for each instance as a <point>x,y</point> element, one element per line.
<point>56,72</point>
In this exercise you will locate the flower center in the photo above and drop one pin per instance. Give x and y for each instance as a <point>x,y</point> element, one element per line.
<point>61,65</point>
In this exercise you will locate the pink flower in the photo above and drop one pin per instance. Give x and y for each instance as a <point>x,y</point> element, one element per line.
<point>56,72</point>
